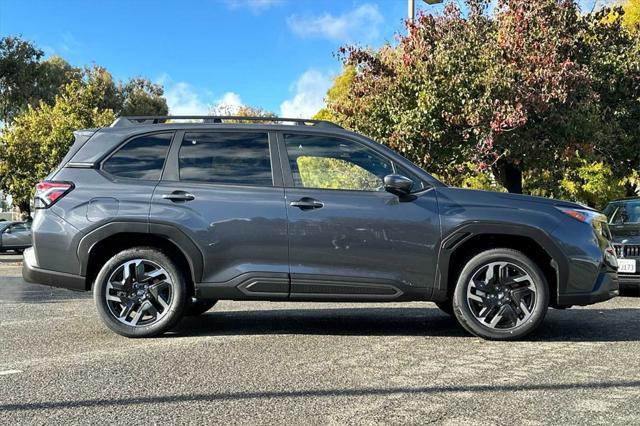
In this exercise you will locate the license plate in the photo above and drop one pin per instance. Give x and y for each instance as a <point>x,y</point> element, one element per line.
<point>627,266</point>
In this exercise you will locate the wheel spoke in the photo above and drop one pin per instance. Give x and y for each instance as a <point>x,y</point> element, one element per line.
<point>126,309</point>
<point>498,316</point>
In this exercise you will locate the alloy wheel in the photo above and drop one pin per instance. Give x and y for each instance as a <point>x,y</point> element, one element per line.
<point>139,292</point>
<point>501,295</point>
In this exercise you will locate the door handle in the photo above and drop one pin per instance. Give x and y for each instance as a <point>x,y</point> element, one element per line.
<point>307,203</point>
<point>177,196</point>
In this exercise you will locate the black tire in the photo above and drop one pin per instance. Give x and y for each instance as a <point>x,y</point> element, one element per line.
<point>198,307</point>
<point>175,306</point>
<point>446,306</point>
<point>535,302</point>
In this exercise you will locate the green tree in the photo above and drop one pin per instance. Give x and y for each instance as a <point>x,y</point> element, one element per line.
<point>25,79</point>
<point>39,138</point>
<point>142,97</point>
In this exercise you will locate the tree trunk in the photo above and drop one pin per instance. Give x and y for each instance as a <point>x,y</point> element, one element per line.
<point>24,208</point>
<point>630,189</point>
<point>509,174</point>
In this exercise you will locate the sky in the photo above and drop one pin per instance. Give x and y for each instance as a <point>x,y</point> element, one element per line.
<point>279,55</point>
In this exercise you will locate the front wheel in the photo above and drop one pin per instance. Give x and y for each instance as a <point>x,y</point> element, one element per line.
<point>140,292</point>
<point>501,295</point>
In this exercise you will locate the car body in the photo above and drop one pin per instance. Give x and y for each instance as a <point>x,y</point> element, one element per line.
<point>624,221</point>
<point>304,212</point>
<point>15,236</point>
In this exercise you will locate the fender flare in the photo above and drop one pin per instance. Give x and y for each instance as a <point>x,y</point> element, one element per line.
<point>461,234</point>
<point>170,233</point>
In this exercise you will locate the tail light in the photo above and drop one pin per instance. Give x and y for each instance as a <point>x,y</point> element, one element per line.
<point>48,193</point>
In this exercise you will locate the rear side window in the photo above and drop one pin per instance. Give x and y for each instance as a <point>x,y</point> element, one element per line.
<point>141,158</point>
<point>226,158</point>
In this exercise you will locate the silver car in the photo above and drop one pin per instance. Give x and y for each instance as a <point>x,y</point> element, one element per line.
<point>15,236</point>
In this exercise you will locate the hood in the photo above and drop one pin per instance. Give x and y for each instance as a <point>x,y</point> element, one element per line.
<point>626,233</point>
<point>473,196</point>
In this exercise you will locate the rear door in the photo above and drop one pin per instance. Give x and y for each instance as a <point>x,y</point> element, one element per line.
<point>348,238</point>
<point>223,190</point>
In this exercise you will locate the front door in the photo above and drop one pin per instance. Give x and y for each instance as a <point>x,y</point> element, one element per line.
<point>17,236</point>
<point>348,238</point>
<point>219,190</point>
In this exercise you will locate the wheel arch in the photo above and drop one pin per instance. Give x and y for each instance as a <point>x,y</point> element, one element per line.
<point>99,245</point>
<point>470,239</point>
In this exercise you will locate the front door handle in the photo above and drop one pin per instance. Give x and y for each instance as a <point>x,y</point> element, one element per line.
<point>178,196</point>
<point>307,203</point>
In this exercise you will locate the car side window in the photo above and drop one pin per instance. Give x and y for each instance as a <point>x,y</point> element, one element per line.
<point>326,162</point>
<point>140,158</point>
<point>233,158</point>
<point>18,227</point>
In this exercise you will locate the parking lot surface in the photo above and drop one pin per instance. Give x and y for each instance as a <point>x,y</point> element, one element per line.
<point>264,362</point>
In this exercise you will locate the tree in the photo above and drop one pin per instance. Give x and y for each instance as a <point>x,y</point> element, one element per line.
<point>25,79</point>
<point>142,97</point>
<point>523,93</point>
<point>39,138</point>
<point>631,17</point>
<point>19,61</point>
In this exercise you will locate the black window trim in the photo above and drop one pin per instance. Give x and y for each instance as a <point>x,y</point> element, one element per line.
<point>288,174</point>
<point>171,172</point>
<point>121,145</point>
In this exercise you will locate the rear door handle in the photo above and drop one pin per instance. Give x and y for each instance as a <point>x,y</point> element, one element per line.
<point>177,196</point>
<point>307,203</point>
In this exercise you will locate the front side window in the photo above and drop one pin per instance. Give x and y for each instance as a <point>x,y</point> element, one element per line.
<point>226,158</point>
<point>140,158</point>
<point>330,163</point>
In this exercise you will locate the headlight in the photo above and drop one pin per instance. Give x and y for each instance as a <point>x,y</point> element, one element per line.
<point>597,220</point>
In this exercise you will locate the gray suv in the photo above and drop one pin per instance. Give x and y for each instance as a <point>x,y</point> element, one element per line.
<point>162,218</point>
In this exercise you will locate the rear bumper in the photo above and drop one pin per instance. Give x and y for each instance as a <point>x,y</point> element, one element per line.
<point>606,287</point>
<point>32,274</point>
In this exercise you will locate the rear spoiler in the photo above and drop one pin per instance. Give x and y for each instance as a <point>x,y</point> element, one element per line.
<point>81,138</point>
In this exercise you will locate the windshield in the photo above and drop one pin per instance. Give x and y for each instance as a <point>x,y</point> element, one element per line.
<point>620,212</point>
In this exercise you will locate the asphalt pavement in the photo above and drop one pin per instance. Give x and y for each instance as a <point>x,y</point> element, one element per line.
<point>311,363</point>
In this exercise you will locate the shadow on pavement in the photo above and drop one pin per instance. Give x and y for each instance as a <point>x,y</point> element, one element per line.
<point>574,324</point>
<point>234,396</point>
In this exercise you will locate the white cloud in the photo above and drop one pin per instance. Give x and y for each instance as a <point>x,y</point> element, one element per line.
<point>228,104</point>
<point>184,100</point>
<point>360,24</point>
<point>255,6</point>
<point>309,93</point>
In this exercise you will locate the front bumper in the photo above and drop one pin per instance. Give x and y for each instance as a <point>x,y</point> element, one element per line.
<point>32,274</point>
<point>606,287</point>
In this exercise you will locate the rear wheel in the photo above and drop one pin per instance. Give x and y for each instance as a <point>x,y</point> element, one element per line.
<point>501,295</point>
<point>140,293</point>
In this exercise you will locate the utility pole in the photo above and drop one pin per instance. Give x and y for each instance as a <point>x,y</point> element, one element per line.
<point>411,10</point>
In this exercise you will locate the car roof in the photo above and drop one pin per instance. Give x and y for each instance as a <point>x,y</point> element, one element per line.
<point>620,200</point>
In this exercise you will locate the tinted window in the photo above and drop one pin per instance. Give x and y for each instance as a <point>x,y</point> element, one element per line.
<point>228,158</point>
<point>332,163</point>
<point>140,158</point>
<point>18,227</point>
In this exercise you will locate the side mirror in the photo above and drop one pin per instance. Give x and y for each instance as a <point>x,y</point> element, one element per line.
<point>398,185</point>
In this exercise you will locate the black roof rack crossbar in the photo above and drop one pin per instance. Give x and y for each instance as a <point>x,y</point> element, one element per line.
<point>215,119</point>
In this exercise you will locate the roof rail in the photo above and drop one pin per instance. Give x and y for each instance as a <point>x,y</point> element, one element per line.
<point>215,119</point>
